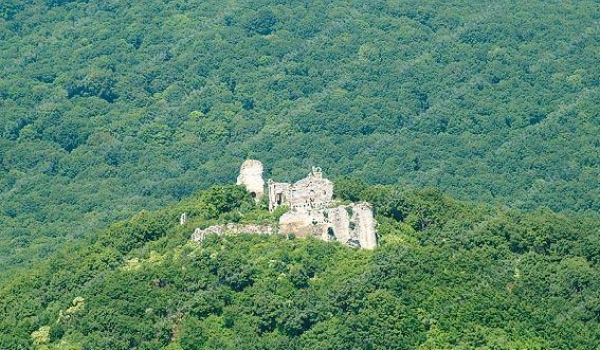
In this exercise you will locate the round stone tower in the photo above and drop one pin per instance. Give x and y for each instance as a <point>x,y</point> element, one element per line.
<point>251,178</point>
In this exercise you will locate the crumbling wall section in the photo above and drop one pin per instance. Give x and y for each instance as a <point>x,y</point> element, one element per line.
<point>364,225</point>
<point>279,194</point>
<point>219,230</point>
<point>312,192</point>
<point>338,224</point>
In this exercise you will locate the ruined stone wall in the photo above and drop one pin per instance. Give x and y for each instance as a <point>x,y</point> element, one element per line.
<point>352,225</point>
<point>338,227</point>
<point>312,192</point>
<point>219,230</point>
<point>279,194</point>
<point>303,223</point>
<point>311,210</point>
<point>364,225</point>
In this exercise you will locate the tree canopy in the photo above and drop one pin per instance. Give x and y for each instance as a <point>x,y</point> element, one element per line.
<point>117,116</point>
<point>107,108</point>
<point>449,275</point>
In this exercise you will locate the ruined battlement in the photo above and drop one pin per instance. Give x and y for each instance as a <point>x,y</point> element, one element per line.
<point>312,192</point>
<point>312,211</point>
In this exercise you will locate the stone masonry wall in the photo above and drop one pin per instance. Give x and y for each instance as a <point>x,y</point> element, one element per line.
<point>312,210</point>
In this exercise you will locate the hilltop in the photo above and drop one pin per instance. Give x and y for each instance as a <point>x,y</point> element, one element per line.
<point>461,136</point>
<point>111,107</point>
<point>447,275</point>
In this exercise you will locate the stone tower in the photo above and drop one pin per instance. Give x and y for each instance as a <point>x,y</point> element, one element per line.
<point>251,177</point>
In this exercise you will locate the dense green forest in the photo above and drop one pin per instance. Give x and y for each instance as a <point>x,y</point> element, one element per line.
<point>471,126</point>
<point>110,107</point>
<point>448,275</point>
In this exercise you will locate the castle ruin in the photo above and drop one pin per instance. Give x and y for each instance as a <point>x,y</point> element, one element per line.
<point>312,192</point>
<point>312,210</point>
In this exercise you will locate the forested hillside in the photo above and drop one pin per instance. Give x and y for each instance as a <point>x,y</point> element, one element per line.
<point>448,275</point>
<point>108,107</point>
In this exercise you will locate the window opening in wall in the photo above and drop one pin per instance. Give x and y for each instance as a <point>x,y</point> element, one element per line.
<point>331,234</point>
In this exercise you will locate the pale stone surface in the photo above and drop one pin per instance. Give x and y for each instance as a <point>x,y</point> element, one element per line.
<point>302,223</point>
<point>364,225</point>
<point>251,177</point>
<point>310,214</point>
<point>311,210</point>
<point>338,224</point>
<point>312,192</point>
<point>352,225</point>
<point>220,230</point>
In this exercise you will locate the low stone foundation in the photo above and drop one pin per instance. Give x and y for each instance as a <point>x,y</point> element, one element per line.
<point>220,230</point>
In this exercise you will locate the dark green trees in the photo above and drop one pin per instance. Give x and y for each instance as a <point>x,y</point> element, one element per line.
<point>447,274</point>
<point>261,22</point>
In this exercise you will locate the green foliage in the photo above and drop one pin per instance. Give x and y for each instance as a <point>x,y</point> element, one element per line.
<point>447,275</point>
<point>228,198</point>
<point>106,113</point>
<point>109,109</point>
<point>98,83</point>
<point>261,22</point>
<point>349,189</point>
<point>279,211</point>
